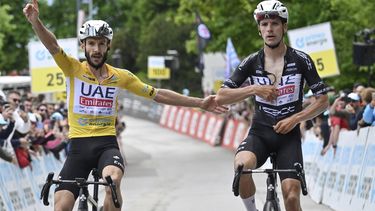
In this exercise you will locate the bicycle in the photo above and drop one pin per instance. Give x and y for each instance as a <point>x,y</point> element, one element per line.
<point>84,196</point>
<point>272,201</point>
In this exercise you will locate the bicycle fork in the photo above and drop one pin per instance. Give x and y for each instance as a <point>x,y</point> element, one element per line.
<point>83,193</point>
<point>272,202</point>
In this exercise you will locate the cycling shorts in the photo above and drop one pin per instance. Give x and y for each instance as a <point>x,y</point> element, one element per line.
<point>86,154</point>
<point>262,140</point>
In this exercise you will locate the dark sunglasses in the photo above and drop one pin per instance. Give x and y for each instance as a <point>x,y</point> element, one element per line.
<point>16,100</point>
<point>42,109</point>
<point>267,15</point>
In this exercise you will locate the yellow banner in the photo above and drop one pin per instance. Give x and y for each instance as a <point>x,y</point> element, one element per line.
<point>217,85</point>
<point>59,97</point>
<point>159,73</point>
<point>47,79</point>
<point>325,63</point>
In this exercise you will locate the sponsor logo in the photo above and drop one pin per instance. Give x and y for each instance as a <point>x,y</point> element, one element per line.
<point>282,111</point>
<point>118,163</point>
<point>95,122</point>
<point>89,90</point>
<point>286,90</point>
<point>152,91</point>
<point>145,89</point>
<point>86,101</point>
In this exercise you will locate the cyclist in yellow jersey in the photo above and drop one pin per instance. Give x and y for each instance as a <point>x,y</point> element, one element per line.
<point>92,89</point>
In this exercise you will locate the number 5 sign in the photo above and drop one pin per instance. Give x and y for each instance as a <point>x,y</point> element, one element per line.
<point>45,74</point>
<point>317,41</point>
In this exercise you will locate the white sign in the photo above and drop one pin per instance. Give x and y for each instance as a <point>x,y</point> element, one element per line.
<point>39,56</point>
<point>317,41</point>
<point>156,62</point>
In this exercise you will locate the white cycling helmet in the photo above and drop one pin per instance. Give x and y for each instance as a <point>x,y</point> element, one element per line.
<point>270,9</point>
<point>95,28</point>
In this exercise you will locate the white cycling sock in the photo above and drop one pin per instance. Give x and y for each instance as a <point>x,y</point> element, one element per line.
<point>250,203</point>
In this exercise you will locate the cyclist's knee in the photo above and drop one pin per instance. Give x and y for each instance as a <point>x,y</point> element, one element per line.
<point>113,171</point>
<point>64,200</point>
<point>246,158</point>
<point>291,193</point>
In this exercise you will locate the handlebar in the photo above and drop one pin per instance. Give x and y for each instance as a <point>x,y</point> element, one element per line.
<point>297,169</point>
<point>80,182</point>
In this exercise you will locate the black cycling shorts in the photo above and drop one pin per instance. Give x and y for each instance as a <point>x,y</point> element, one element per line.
<point>263,140</point>
<point>86,154</point>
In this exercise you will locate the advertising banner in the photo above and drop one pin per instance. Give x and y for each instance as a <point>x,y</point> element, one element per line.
<point>46,76</point>
<point>317,41</point>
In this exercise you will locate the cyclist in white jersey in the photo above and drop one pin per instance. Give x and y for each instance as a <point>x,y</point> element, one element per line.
<point>92,89</point>
<point>277,74</point>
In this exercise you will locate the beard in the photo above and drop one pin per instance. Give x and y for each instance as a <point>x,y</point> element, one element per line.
<point>275,45</point>
<point>100,64</point>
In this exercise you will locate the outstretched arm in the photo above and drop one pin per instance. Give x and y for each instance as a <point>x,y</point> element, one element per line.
<point>31,12</point>
<point>169,97</point>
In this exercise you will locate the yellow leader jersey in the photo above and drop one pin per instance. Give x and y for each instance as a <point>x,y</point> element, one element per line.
<point>92,106</point>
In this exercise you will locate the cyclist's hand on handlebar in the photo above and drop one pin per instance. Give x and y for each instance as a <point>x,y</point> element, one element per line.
<point>286,125</point>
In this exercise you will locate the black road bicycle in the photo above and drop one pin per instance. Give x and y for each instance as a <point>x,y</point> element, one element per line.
<point>84,196</point>
<point>272,201</point>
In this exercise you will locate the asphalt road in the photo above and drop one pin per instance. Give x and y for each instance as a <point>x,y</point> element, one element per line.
<point>168,171</point>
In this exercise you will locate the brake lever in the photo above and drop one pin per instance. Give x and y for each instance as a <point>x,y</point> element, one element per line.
<point>45,190</point>
<point>236,180</point>
<point>301,176</point>
<point>112,185</point>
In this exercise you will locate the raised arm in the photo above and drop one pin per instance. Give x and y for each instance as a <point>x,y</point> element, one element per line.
<point>31,12</point>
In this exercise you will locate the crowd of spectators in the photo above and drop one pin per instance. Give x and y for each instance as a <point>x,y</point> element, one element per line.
<point>30,127</point>
<point>349,109</point>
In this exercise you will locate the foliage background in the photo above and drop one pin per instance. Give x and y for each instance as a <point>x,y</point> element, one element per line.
<point>151,27</point>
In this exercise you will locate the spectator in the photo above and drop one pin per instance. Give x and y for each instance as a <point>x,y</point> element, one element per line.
<point>354,109</point>
<point>366,96</point>
<point>369,113</point>
<point>6,131</point>
<point>357,88</point>
<point>339,120</point>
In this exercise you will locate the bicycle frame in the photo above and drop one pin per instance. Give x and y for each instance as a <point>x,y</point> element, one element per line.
<point>84,196</point>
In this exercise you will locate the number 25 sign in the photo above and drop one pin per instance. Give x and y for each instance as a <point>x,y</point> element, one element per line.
<point>45,74</point>
<point>317,41</point>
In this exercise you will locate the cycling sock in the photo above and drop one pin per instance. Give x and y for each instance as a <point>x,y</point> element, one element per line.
<point>250,203</point>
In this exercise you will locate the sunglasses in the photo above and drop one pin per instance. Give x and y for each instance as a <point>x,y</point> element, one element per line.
<point>267,15</point>
<point>43,109</point>
<point>16,100</point>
